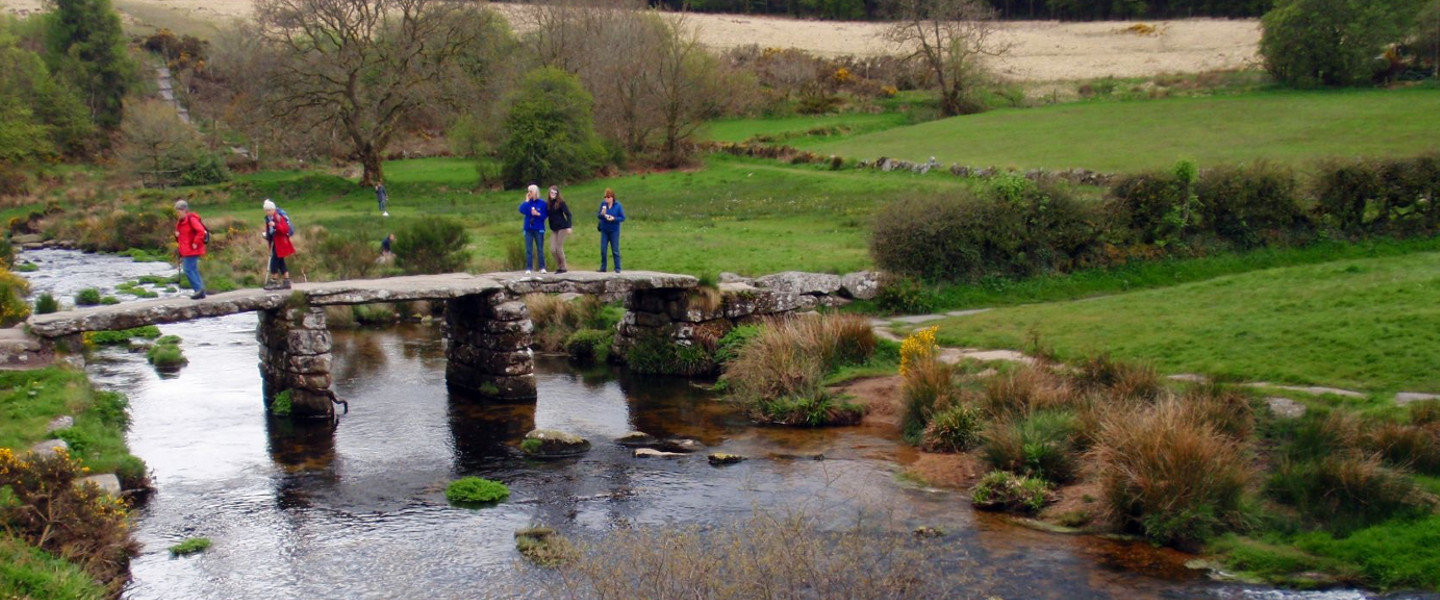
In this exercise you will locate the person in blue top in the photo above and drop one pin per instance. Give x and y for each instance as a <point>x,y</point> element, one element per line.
<point>610,216</point>
<point>535,212</point>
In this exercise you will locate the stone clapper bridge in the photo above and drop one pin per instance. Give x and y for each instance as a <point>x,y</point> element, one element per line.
<point>487,325</point>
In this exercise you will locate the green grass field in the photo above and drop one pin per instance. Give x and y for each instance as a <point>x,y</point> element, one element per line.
<point>840,126</point>
<point>1369,324</point>
<point>1282,126</point>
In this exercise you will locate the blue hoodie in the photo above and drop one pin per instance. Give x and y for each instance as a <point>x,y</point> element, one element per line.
<point>533,223</point>
<point>615,211</point>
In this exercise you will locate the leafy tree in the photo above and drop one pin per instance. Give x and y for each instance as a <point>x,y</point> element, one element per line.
<point>40,117</point>
<point>84,43</point>
<point>549,131</point>
<point>1427,35</point>
<point>157,141</point>
<point>1330,42</point>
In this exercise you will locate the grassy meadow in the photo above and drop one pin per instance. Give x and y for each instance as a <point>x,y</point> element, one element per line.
<point>1286,127</point>
<point>1368,323</point>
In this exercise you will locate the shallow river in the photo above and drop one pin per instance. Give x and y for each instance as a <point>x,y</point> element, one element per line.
<point>356,509</point>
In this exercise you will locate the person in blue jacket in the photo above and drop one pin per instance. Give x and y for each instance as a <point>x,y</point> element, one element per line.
<point>610,216</point>
<point>535,212</point>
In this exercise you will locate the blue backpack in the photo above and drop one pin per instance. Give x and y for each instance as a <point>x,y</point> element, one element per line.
<point>288,224</point>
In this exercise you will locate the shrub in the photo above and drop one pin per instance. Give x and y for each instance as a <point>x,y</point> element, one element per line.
<point>87,297</point>
<point>549,131</point>
<point>83,524</point>
<point>474,490</point>
<point>1040,445</point>
<point>1167,474</point>
<point>46,304</point>
<point>1343,192</point>
<point>13,307</point>
<point>1006,491</point>
<point>1328,42</point>
<point>431,245</point>
<point>345,255</point>
<point>953,429</point>
<point>590,345</point>
<point>918,348</point>
<point>1248,205</point>
<point>190,546</point>
<point>1346,491</point>
<point>205,170</point>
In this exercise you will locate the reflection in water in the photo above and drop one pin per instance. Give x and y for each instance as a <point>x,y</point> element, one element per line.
<point>355,509</point>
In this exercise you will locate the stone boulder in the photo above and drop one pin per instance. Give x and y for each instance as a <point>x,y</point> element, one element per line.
<point>49,447</point>
<point>721,458</point>
<point>107,483</point>
<point>60,422</point>
<point>860,285</point>
<point>684,445</point>
<point>653,453</point>
<point>799,282</point>
<point>728,277</point>
<point>548,443</point>
<point>742,300</point>
<point>636,439</point>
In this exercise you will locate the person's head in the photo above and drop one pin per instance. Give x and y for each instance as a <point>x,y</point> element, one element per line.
<point>269,207</point>
<point>554,192</point>
<point>390,237</point>
<point>532,192</point>
<point>609,194</point>
<point>379,183</point>
<point>182,207</point>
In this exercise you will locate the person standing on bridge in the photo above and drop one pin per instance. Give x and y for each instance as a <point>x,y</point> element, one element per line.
<point>560,225</point>
<point>190,235</point>
<point>277,231</point>
<point>535,212</point>
<point>610,216</point>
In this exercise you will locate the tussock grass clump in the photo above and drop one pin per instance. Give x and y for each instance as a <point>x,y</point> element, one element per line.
<point>1413,447</point>
<point>1347,491</point>
<point>190,546</point>
<point>46,304</point>
<point>474,490</point>
<point>820,410</point>
<point>1025,391</point>
<point>87,297</point>
<point>1123,379</point>
<point>590,345</point>
<point>556,318</point>
<point>544,546</point>
<point>766,556</point>
<point>165,354</point>
<point>1006,491</point>
<point>783,367</point>
<point>1040,445</point>
<point>928,386</point>
<point>1425,412</point>
<point>1229,410</point>
<point>954,429</point>
<point>1166,473</point>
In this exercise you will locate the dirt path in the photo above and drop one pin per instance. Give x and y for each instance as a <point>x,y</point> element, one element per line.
<point>1042,50</point>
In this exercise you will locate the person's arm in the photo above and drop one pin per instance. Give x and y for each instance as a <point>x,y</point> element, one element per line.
<point>544,210</point>
<point>525,207</point>
<point>565,210</point>
<point>619,212</point>
<point>282,226</point>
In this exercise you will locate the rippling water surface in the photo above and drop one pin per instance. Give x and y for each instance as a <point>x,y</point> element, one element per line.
<point>355,508</point>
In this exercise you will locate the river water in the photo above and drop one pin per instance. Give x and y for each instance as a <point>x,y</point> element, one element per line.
<point>355,508</point>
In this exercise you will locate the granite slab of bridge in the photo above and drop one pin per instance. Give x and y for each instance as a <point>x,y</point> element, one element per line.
<point>487,325</point>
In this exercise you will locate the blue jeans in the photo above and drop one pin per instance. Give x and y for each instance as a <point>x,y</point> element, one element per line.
<point>534,248</point>
<point>191,266</point>
<point>611,238</point>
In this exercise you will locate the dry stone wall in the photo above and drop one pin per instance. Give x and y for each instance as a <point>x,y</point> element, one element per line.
<point>488,340</point>
<point>295,355</point>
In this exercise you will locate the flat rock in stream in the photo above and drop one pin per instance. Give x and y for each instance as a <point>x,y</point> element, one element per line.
<point>548,443</point>
<point>636,439</point>
<point>721,458</point>
<point>682,445</point>
<point>653,453</point>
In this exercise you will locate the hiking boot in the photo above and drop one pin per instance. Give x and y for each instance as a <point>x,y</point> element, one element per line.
<point>270,284</point>
<point>284,284</point>
<point>200,295</point>
<point>559,271</point>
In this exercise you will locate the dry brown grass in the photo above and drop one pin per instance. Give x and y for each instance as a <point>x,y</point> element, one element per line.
<point>556,319</point>
<point>790,357</point>
<point>1025,391</point>
<point>1119,378</point>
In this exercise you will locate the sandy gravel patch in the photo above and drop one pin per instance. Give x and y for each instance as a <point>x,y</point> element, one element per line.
<point>1041,50</point>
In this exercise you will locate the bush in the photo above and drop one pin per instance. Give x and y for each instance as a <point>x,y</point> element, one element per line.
<point>1165,473</point>
<point>431,245</point>
<point>954,429</point>
<point>1013,231</point>
<point>474,490</point>
<point>45,508</point>
<point>590,345</point>
<point>207,169</point>
<point>1343,193</point>
<point>1040,445</point>
<point>549,131</point>
<point>1328,42</point>
<point>904,296</point>
<point>1347,491</point>
<point>87,297</point>
<point>1144,206</point>
<point>1250,205</point>
<point>13,289</point>
<point>1003,490</point>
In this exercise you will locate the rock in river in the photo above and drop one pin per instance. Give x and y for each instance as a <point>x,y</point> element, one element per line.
<point>548,443</point>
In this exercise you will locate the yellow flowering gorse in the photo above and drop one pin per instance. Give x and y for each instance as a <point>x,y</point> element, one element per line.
<point>916,347</point>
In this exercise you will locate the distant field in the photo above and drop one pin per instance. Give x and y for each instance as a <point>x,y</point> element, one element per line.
<point>1283,127</point>
<point>1370,324</point>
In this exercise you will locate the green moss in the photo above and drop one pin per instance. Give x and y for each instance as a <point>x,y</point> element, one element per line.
<point>121,336</point>
<point>530,445</point>
<point>281,405</point>
<point>190,546</point>
<point>590,345</point>
<point>474,490</point>
<point>166,354</point>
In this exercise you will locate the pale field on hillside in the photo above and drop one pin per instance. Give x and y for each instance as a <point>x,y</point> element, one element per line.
<point>1041,50</point>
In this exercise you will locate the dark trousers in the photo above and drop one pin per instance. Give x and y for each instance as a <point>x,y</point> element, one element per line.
<point>612,239</point>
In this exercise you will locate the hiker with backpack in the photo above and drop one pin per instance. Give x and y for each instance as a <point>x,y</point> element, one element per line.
<point>191,236</point>
<point>278,232</point>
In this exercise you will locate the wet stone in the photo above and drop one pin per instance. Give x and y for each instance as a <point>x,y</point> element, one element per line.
<point>721,458</point>
<point>635,439</point>
<point>653,453</point>
<point>549,443</point>
<point>684,445</point>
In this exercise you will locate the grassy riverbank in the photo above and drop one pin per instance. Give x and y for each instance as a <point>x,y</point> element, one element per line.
<point>29,573</point>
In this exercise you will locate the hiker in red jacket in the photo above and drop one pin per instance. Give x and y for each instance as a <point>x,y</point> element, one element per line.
<point>277,230</point>
<point>190,237</point>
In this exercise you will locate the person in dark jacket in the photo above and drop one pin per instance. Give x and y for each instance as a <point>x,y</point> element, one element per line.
<point>382,198</point>
<point>611,215</point>
<point>534,210</point>
<point>190,242</point>
<point>277,231</point>
<point>560,226</point>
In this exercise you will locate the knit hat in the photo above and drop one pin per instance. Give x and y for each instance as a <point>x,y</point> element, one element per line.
<point>269,205</point>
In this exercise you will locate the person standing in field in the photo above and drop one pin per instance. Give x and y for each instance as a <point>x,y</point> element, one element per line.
<point>278,231</point>
<point>190,234</point>
<point>382,198</point>
<point>610,217</point>
<point>560,225</point>
<point>535,211</point>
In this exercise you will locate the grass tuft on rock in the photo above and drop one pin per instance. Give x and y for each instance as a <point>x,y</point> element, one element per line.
<point>475,491</point>
<point>190,546</point>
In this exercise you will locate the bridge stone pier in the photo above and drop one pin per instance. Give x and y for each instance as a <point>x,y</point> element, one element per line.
<point>487,325</point>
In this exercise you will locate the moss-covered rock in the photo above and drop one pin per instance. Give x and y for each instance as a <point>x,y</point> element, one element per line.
<point>548,443</point>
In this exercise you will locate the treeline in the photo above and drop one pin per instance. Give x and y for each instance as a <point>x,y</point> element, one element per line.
<point>1070,10</point>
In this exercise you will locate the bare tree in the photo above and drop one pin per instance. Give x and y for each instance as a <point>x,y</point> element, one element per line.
<point>362,66</point>
<point>690,88</point>
<point>156,140</point>
<point>951,38</point>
